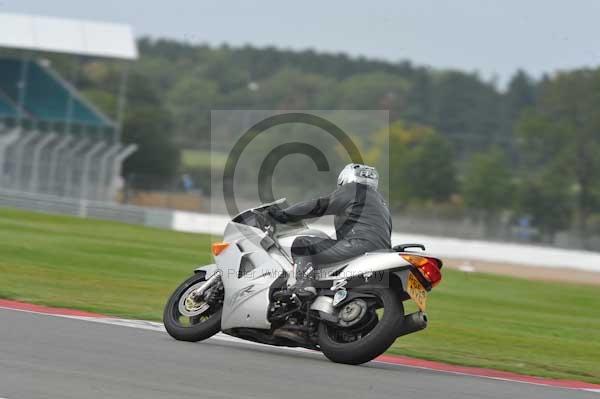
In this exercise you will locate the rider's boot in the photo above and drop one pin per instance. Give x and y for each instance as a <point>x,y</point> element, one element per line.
<point>306,292</point>
<point>303,288</point>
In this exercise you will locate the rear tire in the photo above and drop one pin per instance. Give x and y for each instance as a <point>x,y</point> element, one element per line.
<point>203,329</point>
<point>375,342</point>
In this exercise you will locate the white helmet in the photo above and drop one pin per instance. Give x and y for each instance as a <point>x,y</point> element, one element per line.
<point>357,173</point>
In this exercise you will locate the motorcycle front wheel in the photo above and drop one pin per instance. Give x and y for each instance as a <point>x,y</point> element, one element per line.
<point>362,340</point>
<point>188,318</point>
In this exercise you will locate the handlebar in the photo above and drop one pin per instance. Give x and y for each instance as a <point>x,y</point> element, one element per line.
<point>263,220</point>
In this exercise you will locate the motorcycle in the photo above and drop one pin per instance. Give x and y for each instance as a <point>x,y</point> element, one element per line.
<point>357,314</point>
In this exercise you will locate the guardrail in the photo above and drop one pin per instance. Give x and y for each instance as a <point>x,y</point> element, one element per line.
<point>93,209</point>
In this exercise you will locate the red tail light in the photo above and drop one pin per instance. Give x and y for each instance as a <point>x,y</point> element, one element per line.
<point>429,267</point>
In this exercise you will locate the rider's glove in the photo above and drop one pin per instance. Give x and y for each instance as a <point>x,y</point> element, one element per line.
<point>279,215</point>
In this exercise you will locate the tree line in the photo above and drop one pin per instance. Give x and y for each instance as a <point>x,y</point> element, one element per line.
<point>530,150</point>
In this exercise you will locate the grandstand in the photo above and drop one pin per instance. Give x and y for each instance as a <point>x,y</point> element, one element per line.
<point>52,140</point>
<point>49,98</point>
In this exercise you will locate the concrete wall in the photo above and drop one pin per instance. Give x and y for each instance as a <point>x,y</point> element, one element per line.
<point>444,247</point>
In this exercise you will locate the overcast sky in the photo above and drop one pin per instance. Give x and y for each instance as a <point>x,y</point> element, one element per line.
<point>494,37</point>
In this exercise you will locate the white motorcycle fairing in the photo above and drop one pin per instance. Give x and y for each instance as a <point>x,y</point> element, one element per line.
<point>252,264</point>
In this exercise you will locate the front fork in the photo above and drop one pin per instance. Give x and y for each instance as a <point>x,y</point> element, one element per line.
<point>199,292</point>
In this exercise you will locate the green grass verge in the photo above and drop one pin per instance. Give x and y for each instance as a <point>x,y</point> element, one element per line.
<point>531,327</point>
<point>201,158</point>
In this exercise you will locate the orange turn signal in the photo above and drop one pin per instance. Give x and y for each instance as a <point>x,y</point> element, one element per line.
<point>219,247</point>
<point>415,260</point>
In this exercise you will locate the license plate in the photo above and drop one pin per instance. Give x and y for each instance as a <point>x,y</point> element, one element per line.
<point>417,292</point>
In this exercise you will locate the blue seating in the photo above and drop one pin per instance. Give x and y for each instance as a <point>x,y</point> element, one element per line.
<point>6,109</point>
<point>9,77</point>
<point>47,96</point>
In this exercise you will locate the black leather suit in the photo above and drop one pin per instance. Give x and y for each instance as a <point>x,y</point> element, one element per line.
<point>362,223</point>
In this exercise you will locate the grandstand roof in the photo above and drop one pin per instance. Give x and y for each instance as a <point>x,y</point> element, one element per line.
<point>67,36</point>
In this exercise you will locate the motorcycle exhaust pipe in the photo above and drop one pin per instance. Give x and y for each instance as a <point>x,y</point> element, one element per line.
<point>412,323</point>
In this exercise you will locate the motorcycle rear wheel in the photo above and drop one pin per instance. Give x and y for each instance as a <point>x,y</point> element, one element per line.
<point>376,339</point>
<point>190,328</point>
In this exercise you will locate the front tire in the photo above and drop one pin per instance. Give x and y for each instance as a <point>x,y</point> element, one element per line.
<point>196,327</point>
<point>374,340</point>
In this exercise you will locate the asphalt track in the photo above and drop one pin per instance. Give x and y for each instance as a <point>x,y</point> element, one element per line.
<point>45,356</point>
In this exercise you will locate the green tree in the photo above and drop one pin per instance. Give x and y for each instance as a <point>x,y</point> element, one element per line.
<point>562,134</point>
<point>520,95</point>
<point>548,200</point>
<point>487,185</point>
<point>421,165</point>
<point>373,90</point>
<point>189,102</point>
<point>467,109</point>
<point>147,124</point>
<point>291,89</point>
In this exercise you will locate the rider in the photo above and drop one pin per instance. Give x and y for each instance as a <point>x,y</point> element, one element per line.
<point>362,223</point>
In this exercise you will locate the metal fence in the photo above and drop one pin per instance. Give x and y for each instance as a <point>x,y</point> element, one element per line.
<point>60,164</point>
<point>85,208</point>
